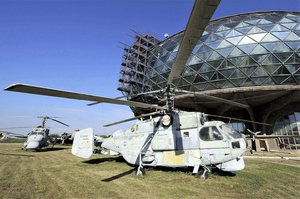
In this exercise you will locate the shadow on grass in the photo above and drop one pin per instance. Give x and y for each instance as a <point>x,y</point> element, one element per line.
<point>219,172</point>
<point>118,176</point>
<point>15,154</point>
<point>52,149</point>
<point>108,159</point>
<point>189,170</point>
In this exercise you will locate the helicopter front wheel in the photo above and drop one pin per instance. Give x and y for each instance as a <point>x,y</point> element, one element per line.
<point>203,173</point>
<point>140,171</point>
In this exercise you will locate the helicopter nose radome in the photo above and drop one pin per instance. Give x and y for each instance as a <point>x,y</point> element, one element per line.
<point>32,145</point>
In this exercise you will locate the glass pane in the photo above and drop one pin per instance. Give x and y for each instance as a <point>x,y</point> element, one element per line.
<point>278,28</point>
<point>271,69</point>
<point>264,21</point>
<point>223,33</point>
<point>266,27</point>
<point>297,27</point>
<point>292,37</point>
<point>292,68</point>
<point>204,55</point>
<point>199,79</point>
<point>259,58</point>
<point>259,50</point>
<point>208,75</point>
<point>244,30</point>
<point>289,25</point>
<point>281,35</point>
<point>276,47</point>
<point>294,45</point>
<point>226,64</point>
<point>231,25</point>
<point>222,28</point>
<point>279,79</point>
<point>258,80</point>
<point>237,60</point>
<point>214,44</point>
<point>210,134</point>
<point>193,60</point>
<point>213,37</point>
<point>234,33</point>
<point>283,56</point>
<point>268,81</point>
<point>274,18</point>
<point>246,40</point>
<point>248,70</point>
<point>294,59</point>
<point>206,67</point>
<point>225,51</point>
<point>242,25</point>
<point>270,60</point>
<point>237,73</point>
<point>269,38</point>
<point>227,73</point>
<point>255,30</point>
<point>282,70</point>
<point>224,44</point>
<point>252,21</point>
<point>215,56</point>
<point>257,37</point>
<point>247,48</point>
<point>238,81</point>
<point>285,20</point>
<point>259,72</point>
<point>248,82</point>
<point>236,53</point>
<point>235,40</point>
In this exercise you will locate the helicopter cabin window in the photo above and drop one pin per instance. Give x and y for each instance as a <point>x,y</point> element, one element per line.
<point>210,133</point>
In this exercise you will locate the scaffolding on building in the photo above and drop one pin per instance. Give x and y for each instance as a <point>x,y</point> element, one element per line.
<point>134,65</point>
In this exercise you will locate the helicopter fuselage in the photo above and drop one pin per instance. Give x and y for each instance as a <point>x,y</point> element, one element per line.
<point>36,139</point>
<point>185,142</point>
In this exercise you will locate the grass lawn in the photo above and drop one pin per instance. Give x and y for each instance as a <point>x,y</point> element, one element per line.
<point>59,174</point>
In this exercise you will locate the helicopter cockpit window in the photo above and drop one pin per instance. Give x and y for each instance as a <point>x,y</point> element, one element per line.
<point>186,134</point>
<point>210,133</point>
<point>231,131</point>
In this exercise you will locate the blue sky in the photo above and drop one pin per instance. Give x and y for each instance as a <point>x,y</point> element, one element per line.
<point>74,45</point>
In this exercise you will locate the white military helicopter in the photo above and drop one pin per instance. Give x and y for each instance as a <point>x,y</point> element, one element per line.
<point>39,136</point>
<point>169,137</point>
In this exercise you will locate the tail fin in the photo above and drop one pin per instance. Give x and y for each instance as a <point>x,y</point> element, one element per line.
<point>83,143</point>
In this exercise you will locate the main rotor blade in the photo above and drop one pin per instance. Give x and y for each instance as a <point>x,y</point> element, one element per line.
<point>214,98</point>
<point>131,119</point>
<point>199,18</point>
<point>276,136</point>
<point>94,103</point>
<point>58,121</point>
<point>237,119</point>
<point>22,127</point>
<point>72,95</point>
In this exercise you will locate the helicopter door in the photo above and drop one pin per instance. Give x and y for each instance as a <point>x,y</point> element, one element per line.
<point>214,146</point>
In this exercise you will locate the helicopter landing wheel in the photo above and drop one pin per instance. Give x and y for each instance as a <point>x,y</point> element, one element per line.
<point>140,171</point>
<point>203,173</point>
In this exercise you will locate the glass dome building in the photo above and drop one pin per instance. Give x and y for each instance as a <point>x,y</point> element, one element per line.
<point>251,58</point>
<point>252,49</point>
